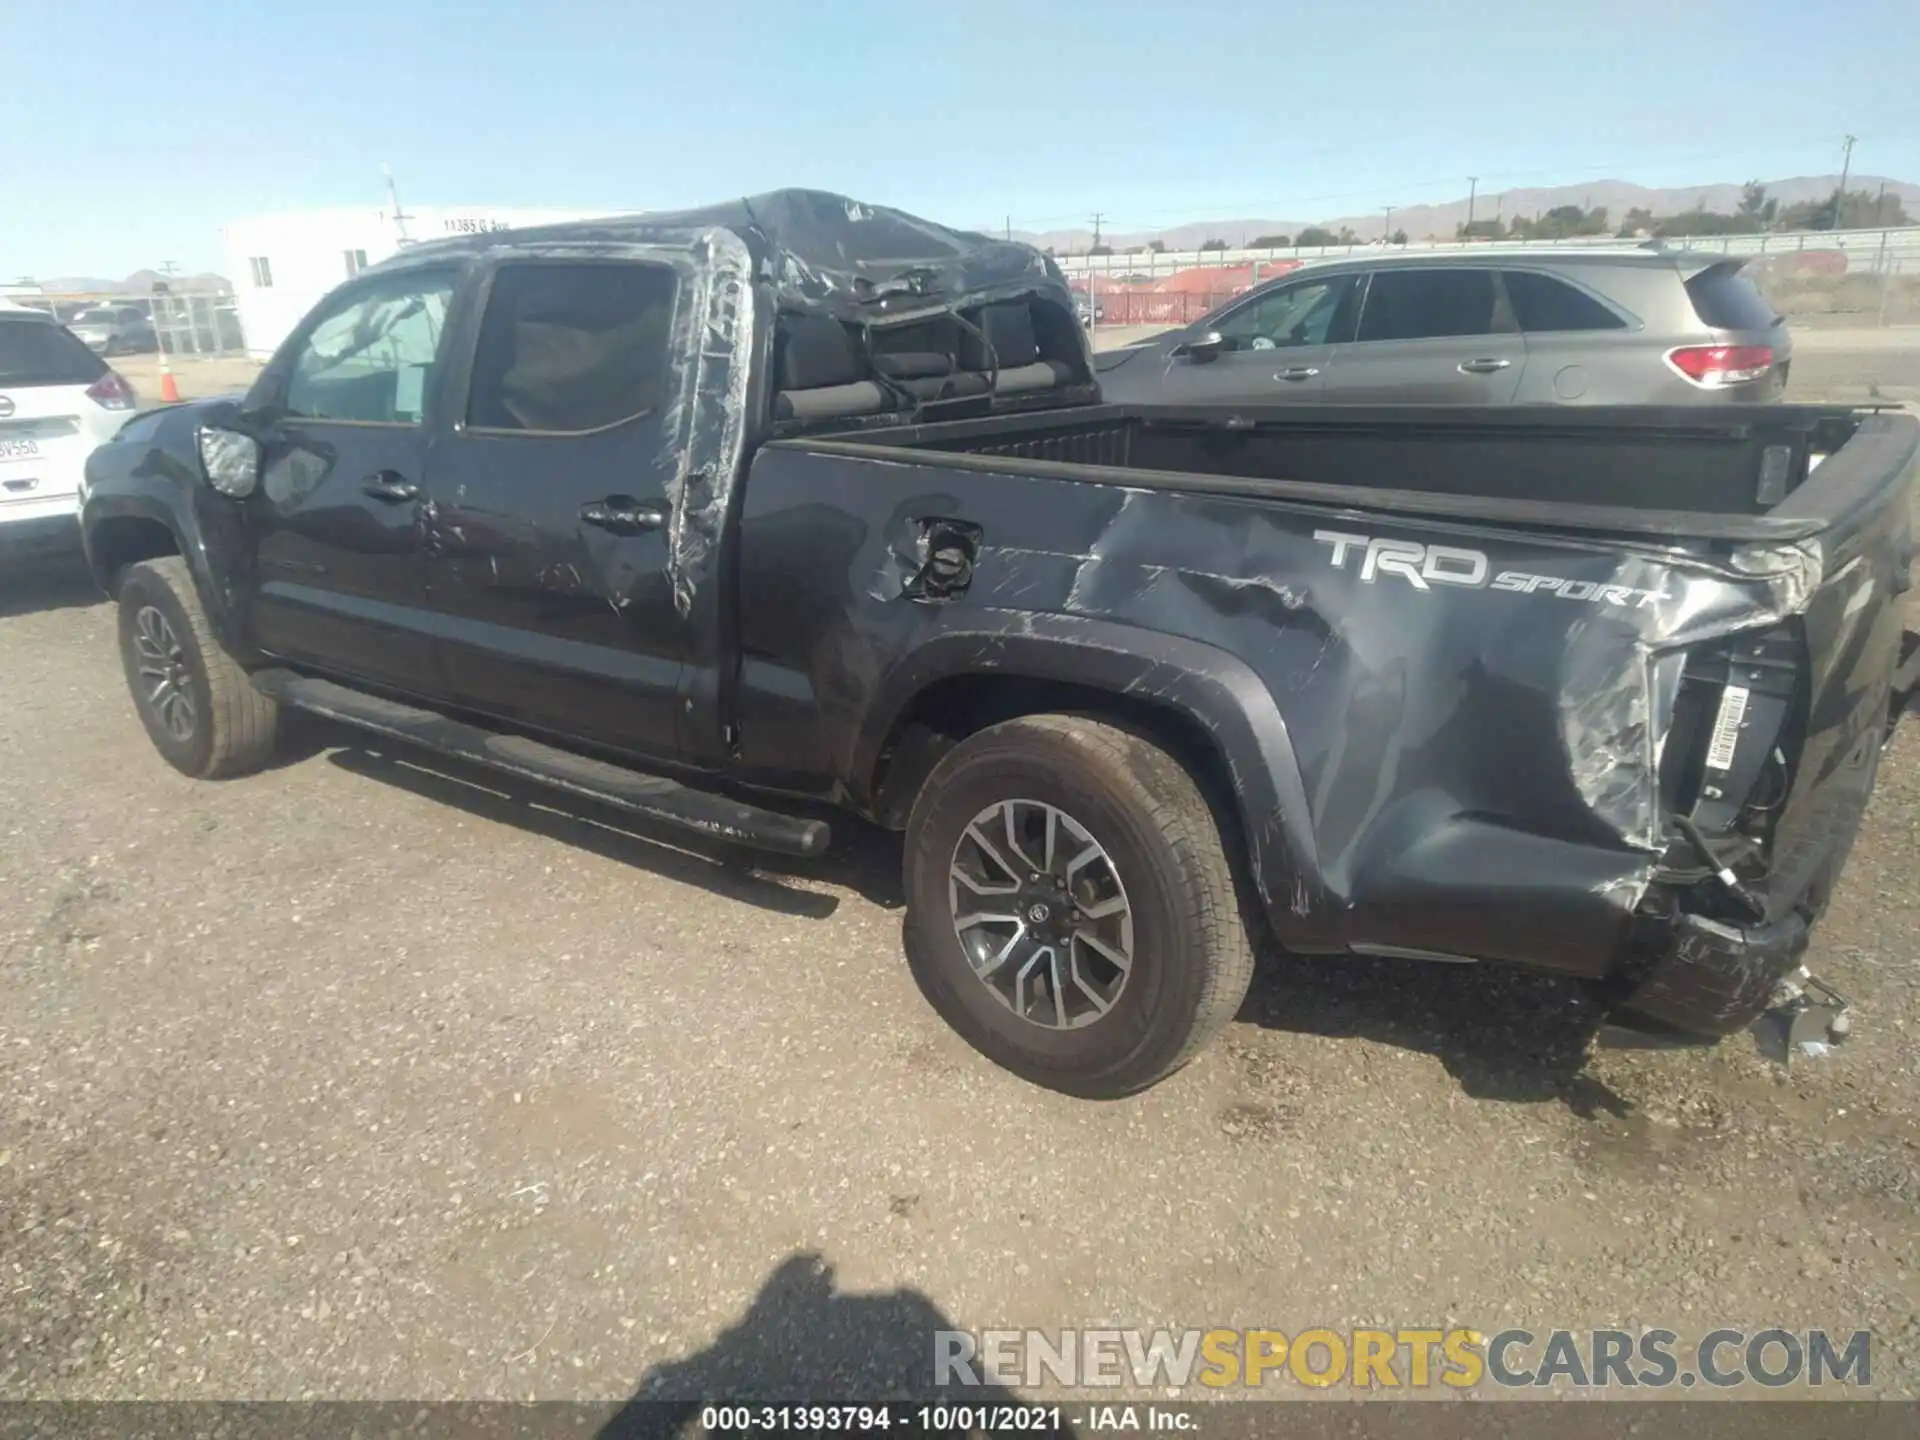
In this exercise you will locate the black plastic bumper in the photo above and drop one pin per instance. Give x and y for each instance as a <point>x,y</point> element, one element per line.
<point>1718,978</point>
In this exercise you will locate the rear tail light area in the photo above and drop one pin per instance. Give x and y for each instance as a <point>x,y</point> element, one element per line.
<point>111,392</point>
<point>1728,754</point>
<point>1714,366</point>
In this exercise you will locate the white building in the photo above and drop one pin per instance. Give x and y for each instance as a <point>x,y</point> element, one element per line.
<point>281,264</point>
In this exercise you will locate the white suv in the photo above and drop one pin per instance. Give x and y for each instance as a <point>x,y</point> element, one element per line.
<point>58,401</point>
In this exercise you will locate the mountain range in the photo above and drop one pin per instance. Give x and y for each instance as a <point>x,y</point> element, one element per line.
<point>1440,221</point>
<point>141,282</point>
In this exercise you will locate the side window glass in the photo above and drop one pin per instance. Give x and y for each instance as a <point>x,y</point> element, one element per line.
<point>1294,315</point>
<point>1542,303</point>
<point>370,361</point>
<point>1420,304</point>
<point>572,348</point>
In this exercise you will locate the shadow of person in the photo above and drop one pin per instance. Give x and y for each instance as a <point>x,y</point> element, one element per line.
<point>1503,1033</point>
<point>800,1342</point>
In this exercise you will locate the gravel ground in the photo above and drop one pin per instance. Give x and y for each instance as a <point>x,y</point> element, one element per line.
<point>363,1078</point>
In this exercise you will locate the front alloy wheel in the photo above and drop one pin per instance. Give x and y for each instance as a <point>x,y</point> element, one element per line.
<point>197,705</point>
<point>164,676</point>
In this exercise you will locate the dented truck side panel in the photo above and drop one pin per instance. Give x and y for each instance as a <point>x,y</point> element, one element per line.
<point>1441,738</point>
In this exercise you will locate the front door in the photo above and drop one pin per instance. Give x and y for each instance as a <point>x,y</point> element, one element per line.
<point>549,507</point>
<point>336,519</point>
<point>1443,336</point>
<point>1276,351</point>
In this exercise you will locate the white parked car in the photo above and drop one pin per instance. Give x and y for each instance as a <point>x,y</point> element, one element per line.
<point>58,401</point>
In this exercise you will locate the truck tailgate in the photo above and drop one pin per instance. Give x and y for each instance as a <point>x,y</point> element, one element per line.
<point>1850,636</point>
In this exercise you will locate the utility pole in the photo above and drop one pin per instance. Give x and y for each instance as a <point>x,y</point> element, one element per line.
<point>1473,189</point>
<point>1840,195</point>
<point>1098,216</point>
<point>1009,227</point>
<point>1386,235</point>
<point>400,217</point>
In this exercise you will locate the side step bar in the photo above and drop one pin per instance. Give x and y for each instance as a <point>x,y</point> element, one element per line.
<point>653,796</point>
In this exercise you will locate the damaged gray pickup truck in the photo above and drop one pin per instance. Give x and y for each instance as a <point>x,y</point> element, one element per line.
<point>793,499</point>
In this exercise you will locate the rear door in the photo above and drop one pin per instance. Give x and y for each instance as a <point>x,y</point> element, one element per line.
<point>351,398</point>
<point>49,422</point>
<point>1277,345</point>
<point>549,514</point>
<point>1579,347</point>
<point>1438,336</point>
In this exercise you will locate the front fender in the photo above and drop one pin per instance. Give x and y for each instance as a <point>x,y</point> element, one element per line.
<point>1194,680</point>
<point>149,477</point>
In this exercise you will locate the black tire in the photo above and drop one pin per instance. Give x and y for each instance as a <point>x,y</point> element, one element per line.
<point>231,726</point>
<point>1191,956</point>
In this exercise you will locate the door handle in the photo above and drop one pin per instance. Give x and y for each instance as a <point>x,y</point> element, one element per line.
<point>1487,365</point>
<point>1298,373</point>
<point>386,485</point>
<point>623,515</point>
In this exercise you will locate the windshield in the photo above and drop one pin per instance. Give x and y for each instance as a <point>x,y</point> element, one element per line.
<point>96,317</point>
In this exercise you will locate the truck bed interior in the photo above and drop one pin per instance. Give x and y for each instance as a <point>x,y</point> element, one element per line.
<point>1731,472</point>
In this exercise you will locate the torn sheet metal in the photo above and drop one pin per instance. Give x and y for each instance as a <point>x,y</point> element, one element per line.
<point>714,352</point>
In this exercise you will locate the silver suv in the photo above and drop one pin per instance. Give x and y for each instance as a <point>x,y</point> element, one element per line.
<point>1593,327</point>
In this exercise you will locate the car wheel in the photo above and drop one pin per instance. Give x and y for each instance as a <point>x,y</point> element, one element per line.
<point>200,710</point>
<point>1071,909</point>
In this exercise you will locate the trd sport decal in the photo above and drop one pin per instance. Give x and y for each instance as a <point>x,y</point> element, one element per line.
<point>1424,566</point>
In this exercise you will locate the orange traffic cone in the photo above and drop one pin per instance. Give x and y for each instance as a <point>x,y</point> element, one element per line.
<point>169,387</point>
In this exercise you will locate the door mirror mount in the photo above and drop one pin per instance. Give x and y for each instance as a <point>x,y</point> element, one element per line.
<point>1202,347</point>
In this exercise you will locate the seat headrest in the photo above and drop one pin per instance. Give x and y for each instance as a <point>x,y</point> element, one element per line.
<point>817,350</point>
<point>913,365</point>
<point>1009,326</point>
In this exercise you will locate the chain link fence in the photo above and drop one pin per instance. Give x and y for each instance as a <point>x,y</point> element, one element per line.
<point>194,324</point>
<point>197,325</point>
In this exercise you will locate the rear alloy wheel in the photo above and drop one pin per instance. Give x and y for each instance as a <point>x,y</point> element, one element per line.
<point>1041,914</point>
<point>1070,907</point>
<point>199,708</point>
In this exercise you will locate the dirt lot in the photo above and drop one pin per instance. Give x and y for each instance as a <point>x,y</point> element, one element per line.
<point>361,1078</point>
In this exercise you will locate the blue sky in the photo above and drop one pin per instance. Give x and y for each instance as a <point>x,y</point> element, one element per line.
<point>131,132</point>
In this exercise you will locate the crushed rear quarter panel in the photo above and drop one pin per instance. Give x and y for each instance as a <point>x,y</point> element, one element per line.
<point>1475,716</point>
